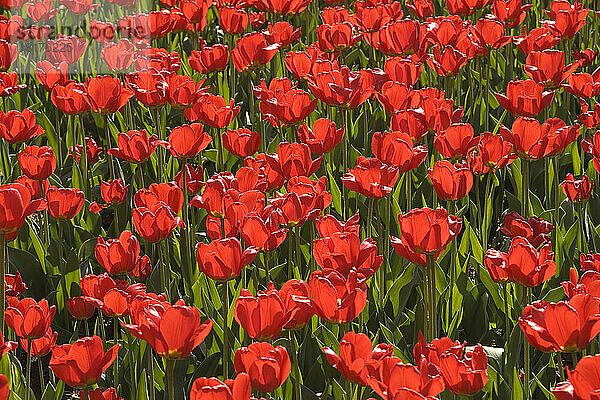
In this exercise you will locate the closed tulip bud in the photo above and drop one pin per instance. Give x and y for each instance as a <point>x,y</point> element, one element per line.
<point>156,222</point>
<point>455,141</point>
<point>41,346</point>
<point>118,56</point>
<point>118,256</point>
<point>428,231</point>
<point>106,94</point>
<point>233,20</point>
<point>262,317</point>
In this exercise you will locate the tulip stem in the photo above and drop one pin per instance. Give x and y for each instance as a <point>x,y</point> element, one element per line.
<point>2,279</point>
<point>486,219</point>
<point>344,118</point>
<point>87,328</point>
<point>559,366</point>
<point>289,260</point>
<point>189,247</point>
<point>116,363</point>
<point>41,374</point>
<point>370,217</point>
<point>430,296</point>
<point>507,326</point>
<point>160,135</point>
<point>225,309</point>
<point>574,359</point>
<point>170,383</point>
<point>581,239</point>
<point>163,270</point>
<point>556,189</point>
<point>111,167</point>
<point>27,395</point>
<point>297,376</point>
<point>526,349</point>
<point>63,280</point>
<point>525,188</point>
<point>298,268</point>
<point>150,371</point>
<point>83,157</point>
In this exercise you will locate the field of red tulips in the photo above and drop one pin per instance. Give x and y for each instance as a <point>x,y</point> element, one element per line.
<point>299,199</point>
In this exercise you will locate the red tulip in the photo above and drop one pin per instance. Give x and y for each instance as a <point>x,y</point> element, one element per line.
<point>538,39</point>
<point>82,363</point>
<point>67,49</point>
<point>398,38</point>
<point>193,179</point>
<point>14,285</point>
<point>41,346</point>
<point>455,142</point>
<point>252,52</point>
<point>213,110</point>
<point>523,263</point>
<point>567,18</point>
<point>136,146</point>
<point>102,31</point>
<point>421,8</point>
<point>260,164</point>
<point>428,231</point>
<point>70,98</point>
<point>577,190</point>
<point>19,127</point>
<point>592,146</point>
<point>403,70</point>
<point>282,33</point>
<point>295,295</point>
<point>464,377</point>
<point>356,350</point>
<point>173,331</point>
<point>491,153</point>
<point>214,389</point>
<point>106,94</point>
<point>548,67</point>
<point>97,287</point>
<point>168,193</point>
<point>337,37</point>
<point>9,83</point>
<point>451,182</point>
<point>241,142</point>
<point>40,10</point>
<point>118,256</point>
<point>98,394</point>
<point>370,177</point>
<point>335,298</point>
<point>49,74</point>
<point>584,85</point>
<point>512,12</point>
<point>8,54</point>
<point>187,141</point>
<point>343,251</point>
<point>267,366</point>
<point>37,162</point>
<point>396,149</point>
<point>118,56</point>
<point>233,20</point>
<point>158,59</point>
<point>64,203</point>
<point>566,326</point>
<point>182,91</point>
<point>293,159</point>
<point>392,379</point>
<point>28,318</point>
<point>156,222</point>
<point>323,137</point>
<point>93,151</point>
<point>447,63</point>
<point>210,59</point>
<point>223,259</point>
<point>262,233</point>
<point>283,7</point>
<point>149,86</point>
<point>262,317</point>
<point>525,98</point>
<point>81,307</point>
<point>113,191</point>
<point>341,87</point>
<point>327,225</point>
<point>535,230</point>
